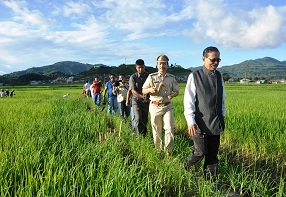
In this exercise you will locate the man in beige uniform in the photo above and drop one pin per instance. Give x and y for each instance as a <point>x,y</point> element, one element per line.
<point>162,87</point>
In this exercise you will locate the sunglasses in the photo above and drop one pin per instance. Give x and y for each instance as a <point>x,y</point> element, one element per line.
<point>214,60</point>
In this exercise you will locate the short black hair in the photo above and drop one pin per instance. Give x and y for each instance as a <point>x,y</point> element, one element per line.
<point>208,50</point>
<point>121,74</point>
<point>140,62</point>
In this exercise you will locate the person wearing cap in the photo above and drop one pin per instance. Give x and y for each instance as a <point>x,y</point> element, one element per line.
<point>162,88</point>
<point>204,110</point>
<point>140,102</point>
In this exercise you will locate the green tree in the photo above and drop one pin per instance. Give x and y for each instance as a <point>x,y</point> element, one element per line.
<point>226,76</point>
<point>31,77</point>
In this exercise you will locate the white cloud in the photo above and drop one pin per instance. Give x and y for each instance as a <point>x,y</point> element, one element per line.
<point>79,9</point>
<point>140,19</point>
<point>259,28</point>
<point>112,30</point>
<point>2,72</point>
<point>13,30</point>
<point>8,66</point>
<point>85,35</point>
<point>266,29</point>
<point>32,18</point>
<point>11,58</point>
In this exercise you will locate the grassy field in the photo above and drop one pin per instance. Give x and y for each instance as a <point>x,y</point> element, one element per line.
<point>50,146</point>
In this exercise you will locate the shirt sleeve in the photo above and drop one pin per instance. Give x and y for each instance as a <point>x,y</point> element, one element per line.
<point>147,83</point>
<point>131,83</point>
<point>223,99</point>
<point>175,87</point>
<point>189,101</point>
<point>115,91</point>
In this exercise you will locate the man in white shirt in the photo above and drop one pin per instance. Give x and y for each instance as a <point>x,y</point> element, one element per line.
<point>87,89</point>
<point>204,110</point>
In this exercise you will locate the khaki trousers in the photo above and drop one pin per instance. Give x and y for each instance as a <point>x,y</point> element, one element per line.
<point>159,116</point>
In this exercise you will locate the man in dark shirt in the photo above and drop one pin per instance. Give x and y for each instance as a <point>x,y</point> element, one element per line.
<point>140,101</point>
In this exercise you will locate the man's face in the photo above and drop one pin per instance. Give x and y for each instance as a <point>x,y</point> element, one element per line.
<point>96,79</point>
<point>162,67</point>
<point>140,69</point>
<point>112,78</point>
<point>212,61</point>
<point>121,77</point>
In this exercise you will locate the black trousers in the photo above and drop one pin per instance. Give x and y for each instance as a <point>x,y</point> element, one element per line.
<point>124,110</point>
<point>205,146</point>
<point>141,111</point>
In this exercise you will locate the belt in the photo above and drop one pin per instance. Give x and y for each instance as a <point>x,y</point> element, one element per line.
<point>160,104</point>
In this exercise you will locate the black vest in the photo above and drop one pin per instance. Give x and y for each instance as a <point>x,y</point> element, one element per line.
<point>209,91</point>
<point>137,85</point>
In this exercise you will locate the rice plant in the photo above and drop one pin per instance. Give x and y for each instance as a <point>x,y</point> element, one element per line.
<point>55,146</point>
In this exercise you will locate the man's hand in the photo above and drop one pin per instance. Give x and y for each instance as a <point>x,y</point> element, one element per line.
<point>170,96</point>
<point>127,103</point>
<point>192,130</point>
<point>153,91</point>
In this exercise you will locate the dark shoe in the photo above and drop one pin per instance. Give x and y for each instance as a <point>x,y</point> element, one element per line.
<point>189,166</point>
<point>210,172</point>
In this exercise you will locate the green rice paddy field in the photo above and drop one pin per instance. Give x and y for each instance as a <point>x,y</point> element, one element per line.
<point>55,146</point>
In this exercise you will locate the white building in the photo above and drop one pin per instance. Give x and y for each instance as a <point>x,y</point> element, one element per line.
<point>260,81</point>
<point>70,79</point>
<point>244,80</point>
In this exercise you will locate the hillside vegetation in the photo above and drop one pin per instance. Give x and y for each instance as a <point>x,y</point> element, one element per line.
<point>263,68</point>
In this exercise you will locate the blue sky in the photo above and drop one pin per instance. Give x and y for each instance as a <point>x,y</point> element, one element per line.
<point>42,32</point>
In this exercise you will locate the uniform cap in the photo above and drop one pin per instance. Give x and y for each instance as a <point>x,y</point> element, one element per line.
<point>162,58</point>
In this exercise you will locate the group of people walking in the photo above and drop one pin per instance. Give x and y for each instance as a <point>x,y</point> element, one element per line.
<point>6,93</point>
<point>144,94</point>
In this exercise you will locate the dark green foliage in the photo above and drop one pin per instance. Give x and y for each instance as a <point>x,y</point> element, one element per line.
<point>67,67</point>
<point>25,79</point>
<point>266,67</point>
<point>226,76</point>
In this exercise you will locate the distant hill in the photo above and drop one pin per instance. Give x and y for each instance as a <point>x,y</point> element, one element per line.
<point>79,71</point>
<point>67,67</point>
<point>262,68</point>
<point>129,69</point>
<point>266,67</point>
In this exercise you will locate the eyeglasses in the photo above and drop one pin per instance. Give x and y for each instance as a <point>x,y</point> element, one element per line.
<point>214,60</point>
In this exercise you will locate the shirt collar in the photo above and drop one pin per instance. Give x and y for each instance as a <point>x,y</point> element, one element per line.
<point>160,75</point>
